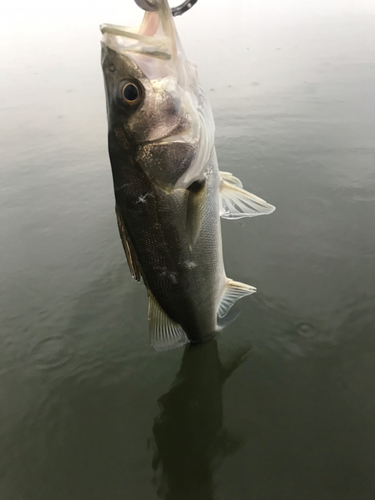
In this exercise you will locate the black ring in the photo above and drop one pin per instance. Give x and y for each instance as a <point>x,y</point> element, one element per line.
<point>149,6</point>
<point>181,9</point>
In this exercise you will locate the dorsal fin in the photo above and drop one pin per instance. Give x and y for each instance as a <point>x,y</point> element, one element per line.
<point>165,334</point>
<point>236,203</point>
<point>131,257</point>
<point>233,291</point>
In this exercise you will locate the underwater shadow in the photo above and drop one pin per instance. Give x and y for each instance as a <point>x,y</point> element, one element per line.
<point>189,438</point>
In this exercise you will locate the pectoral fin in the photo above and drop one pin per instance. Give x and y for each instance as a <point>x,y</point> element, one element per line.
<point>165,334</point>
<point>231,179</point>
<point>236,203</point>
<point>131,257</point>
<point>234,290</point>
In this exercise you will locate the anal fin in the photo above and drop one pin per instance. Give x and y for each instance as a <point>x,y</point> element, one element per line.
<point>129,252</point>
<point>236,203</point>
<point>234,290</point>
<point>231,316</point>
<point>165,334</point>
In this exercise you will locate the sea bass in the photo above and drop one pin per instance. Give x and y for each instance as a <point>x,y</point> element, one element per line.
<point>168,189</point>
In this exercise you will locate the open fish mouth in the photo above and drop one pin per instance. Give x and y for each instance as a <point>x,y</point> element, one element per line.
<point>156,36</point>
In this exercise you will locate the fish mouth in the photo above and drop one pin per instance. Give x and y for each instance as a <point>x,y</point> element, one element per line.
<point>156,36</point>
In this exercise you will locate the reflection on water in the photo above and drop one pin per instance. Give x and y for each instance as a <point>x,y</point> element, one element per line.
<point>189,437</point>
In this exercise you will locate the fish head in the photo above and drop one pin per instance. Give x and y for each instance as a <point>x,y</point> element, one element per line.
<point>155,104</point>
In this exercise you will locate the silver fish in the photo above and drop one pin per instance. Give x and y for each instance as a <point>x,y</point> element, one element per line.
<point>168,189</point>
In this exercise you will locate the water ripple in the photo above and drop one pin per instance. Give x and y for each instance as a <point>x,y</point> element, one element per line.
<point>51,352</point>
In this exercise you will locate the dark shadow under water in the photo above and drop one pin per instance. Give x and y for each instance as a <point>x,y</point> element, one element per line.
<point>189,435</point>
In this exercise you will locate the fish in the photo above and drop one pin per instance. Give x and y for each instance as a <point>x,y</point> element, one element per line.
<point>169,192</point>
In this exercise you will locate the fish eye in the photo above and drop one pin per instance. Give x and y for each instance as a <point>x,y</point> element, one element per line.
<point>130,93</point>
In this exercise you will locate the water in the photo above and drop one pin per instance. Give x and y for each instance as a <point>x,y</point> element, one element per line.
<point>281,406</point>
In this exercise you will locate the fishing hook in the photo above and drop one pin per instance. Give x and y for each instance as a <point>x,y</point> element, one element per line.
<point>176,11</point>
